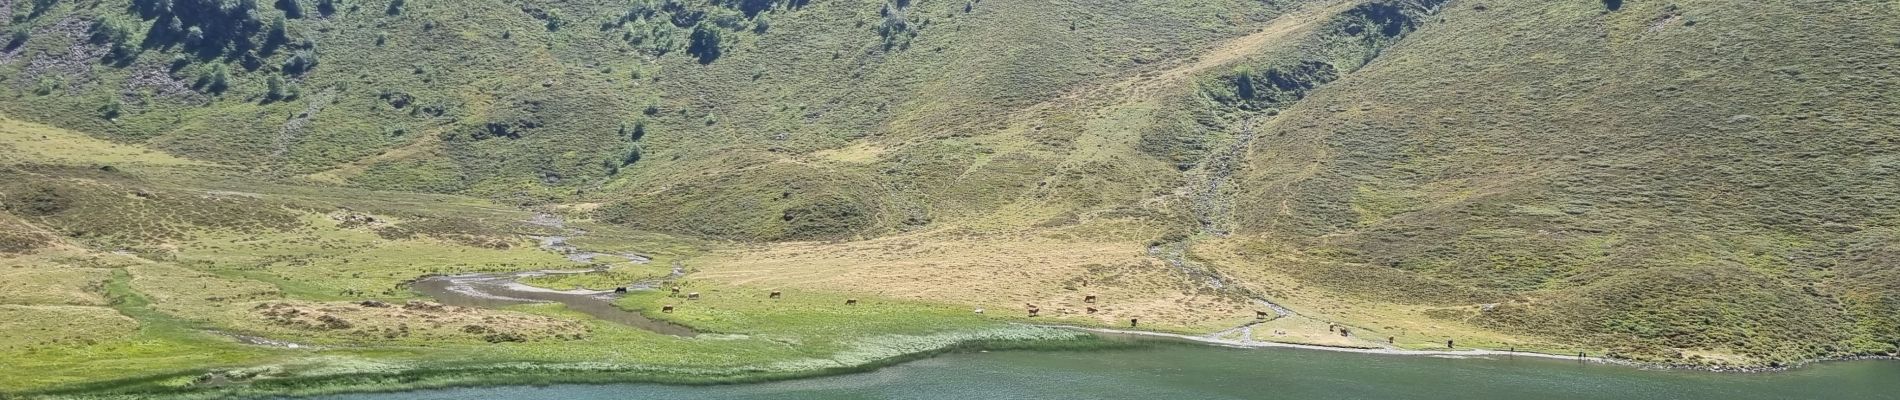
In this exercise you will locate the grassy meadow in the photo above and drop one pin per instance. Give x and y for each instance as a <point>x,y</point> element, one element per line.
<point>192,187</point>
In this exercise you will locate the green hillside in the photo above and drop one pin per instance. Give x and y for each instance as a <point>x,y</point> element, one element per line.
<point>1697,182</point>
<point>1662,178</point>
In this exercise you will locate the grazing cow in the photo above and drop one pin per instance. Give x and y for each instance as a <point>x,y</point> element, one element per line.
<point>1034,311</point>
<point>1092,310</point>
<point>692,296</point>
<point>676,290</point>
<point>667,309</point>
<point>775,294</point>
<point>621,290</point>
<point>850,302</point>
<point>1132,322</point>
<point>1260,314</point>
<point>1088,299</point>
<point>1345,332</point>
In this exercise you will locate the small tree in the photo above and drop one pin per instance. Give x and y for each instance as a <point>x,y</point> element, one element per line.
<point>194,37</point>
<point>278,32</point>
<point>705,44</point>
<point>215,78</point>
<point>301,62</point>
<point>291,8</point>
<point>274,88</point>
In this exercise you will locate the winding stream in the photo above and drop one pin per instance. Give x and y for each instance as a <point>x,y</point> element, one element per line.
<point>497,290</point>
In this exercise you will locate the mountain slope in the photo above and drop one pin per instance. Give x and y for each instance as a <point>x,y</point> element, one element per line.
<point>1695,181</point>
<point>1663,179</point>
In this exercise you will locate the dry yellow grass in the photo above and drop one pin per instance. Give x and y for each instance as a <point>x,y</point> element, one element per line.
<point>52,284</point>
<point>1000,273</point>
<point>26,142</point>
<point>29,327</point>
<point>861,153</point>
<point>1371,321</point>
<point>185,292</point>
<point>408,323</point>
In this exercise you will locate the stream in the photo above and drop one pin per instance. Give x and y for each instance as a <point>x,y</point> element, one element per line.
<point>503,289</point>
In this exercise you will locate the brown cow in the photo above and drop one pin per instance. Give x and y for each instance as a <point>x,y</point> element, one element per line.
<point>1132,322</point>
<point>676,290</point>
<point>1260,314</point>
<point>1088,299</point>
<point>621,290</point>
<point>1034,311</point>
<point>1092,310</point>
<point>692,296</point>
<point>850,302</point>
<point>667,309</point>
<point>775,294</point>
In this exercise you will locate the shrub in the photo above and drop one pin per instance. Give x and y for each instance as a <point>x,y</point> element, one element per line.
<point>705,44</point>
<point>16,37</point>
<point>110,109</point>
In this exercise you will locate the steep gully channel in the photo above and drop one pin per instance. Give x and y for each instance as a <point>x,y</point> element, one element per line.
<point>1207,181</point>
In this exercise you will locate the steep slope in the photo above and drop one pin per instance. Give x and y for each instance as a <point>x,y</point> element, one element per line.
<point>1671,181</point>
<point>599,100</point>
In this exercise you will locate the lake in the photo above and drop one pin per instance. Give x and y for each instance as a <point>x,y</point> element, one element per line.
<point>1189,371</point>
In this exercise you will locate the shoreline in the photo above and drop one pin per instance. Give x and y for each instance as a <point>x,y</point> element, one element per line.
<point>1359,350</point>
<point>1204,340</point>
<point>515,374</point>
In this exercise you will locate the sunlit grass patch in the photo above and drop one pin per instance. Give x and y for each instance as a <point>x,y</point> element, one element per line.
<point>26,142</point>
